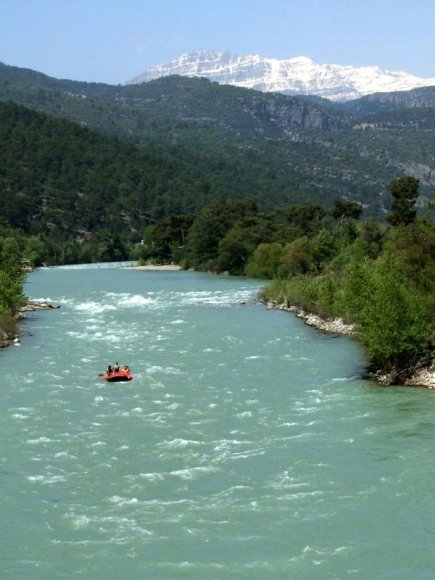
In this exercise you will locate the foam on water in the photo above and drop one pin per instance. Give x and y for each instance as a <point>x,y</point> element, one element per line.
<point>94,307</point>
<point>179,443</point>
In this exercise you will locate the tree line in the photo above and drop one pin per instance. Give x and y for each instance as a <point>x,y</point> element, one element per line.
<point>379,276</point>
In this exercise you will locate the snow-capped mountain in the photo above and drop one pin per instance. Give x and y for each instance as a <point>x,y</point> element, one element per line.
<point>295,76</point>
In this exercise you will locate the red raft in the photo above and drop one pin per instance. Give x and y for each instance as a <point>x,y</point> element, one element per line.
<point>118,376</point>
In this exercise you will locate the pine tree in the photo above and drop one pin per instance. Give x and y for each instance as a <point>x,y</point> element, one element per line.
<point>405,193</point>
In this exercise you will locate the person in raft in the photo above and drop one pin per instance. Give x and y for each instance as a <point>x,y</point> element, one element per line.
<point>117,369</point>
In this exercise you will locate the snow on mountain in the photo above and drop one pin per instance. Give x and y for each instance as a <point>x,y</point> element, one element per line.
<point>295,76</point>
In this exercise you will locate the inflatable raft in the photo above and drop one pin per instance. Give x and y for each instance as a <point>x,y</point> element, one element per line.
<point>118,376</point>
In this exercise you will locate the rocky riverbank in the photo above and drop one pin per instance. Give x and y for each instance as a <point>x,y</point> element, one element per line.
<point>333,325</point>
<point>35,305</point>
<point>7,338</point>
<point>422,374</point>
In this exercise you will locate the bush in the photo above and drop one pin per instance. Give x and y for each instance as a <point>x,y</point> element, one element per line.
<point>265,261</point>
<point>392,322</point>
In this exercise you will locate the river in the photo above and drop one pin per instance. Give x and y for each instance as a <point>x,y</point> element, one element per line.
<point>246,446</point>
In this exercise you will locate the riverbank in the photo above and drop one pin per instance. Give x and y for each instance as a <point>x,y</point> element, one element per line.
<point>9,339</point>
<point>35,305</point>
<point>422,374</point>
<point>333,325</point>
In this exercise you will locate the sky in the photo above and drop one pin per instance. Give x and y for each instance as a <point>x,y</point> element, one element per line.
<point>112,41</point>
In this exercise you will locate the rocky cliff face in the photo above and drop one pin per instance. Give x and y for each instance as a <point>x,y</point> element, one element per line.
<point>246,112</point>
<point>296,76</point>
<point>295,114</point>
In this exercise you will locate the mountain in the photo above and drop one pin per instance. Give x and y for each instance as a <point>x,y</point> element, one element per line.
<point>295,76</point>
<point>379,103</point>
<point>235,142</point>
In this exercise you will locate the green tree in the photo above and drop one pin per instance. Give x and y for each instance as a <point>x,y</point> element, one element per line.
<point>357,288</point>
<point>370,238</point>
<point>265,261</point>
<point>34,250</point>
<point>405,193</point>
<point>164,240</point>
<point>209,228</point>
<point>392,321</point>
<point>414,246</point>
<point>324,247</point>
<point>240,242</point>
<point>307,219</point>
<point>297,258</point>
<point>344,209</point>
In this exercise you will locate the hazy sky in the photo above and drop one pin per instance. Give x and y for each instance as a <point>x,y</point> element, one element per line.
<point>113,40</point>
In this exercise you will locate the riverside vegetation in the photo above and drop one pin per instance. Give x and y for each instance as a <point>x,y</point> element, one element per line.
<point>12,297</point>
<point>379,277</point>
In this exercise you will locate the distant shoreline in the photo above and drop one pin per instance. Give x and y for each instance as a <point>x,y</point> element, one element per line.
<point>168,267</point>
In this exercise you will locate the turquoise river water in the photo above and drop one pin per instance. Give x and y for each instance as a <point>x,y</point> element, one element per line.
<point>247,446</point>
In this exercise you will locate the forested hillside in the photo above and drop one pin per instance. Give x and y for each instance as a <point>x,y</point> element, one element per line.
<point>71,185</point>
<point>386,102</point>
<point>281,149</point>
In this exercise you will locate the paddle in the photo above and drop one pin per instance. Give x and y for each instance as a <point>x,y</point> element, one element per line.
<point>101,374</point>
